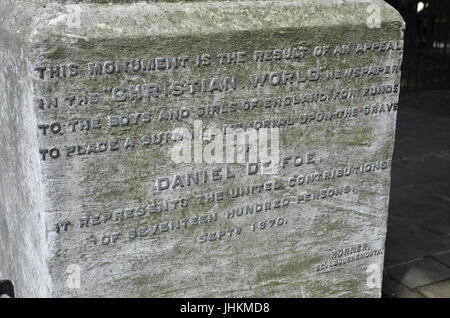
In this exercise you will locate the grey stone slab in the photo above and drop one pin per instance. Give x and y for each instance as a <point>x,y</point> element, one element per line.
<point>422,206</point>
<point>419,273</point>
<point>437,290</point>
<point>392,288</point>
<point>406,242</point>
<point>442,190</point>
<point>416,170</point>
<point>444,258</point>
<point>422,141</point>
<point>99,200</point>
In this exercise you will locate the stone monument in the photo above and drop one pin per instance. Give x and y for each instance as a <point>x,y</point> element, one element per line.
<point>196,148</point>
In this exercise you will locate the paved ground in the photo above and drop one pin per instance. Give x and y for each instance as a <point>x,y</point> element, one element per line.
<point>417,260</point>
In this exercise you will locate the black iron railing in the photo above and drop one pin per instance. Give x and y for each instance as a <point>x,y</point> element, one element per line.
<point>426,63</point>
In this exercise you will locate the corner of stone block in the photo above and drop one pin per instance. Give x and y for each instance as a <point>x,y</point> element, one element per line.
<point>393,16</point>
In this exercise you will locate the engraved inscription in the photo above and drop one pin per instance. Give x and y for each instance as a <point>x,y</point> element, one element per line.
<point>139,111</point>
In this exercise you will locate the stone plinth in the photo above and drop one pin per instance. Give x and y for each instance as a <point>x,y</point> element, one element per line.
<point>102,193</point>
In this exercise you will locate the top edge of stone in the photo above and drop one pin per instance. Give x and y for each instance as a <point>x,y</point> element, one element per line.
<point>155,1</point>
<point>34,20</point>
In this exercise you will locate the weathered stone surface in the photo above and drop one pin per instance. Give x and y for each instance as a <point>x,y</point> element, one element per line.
<point>84,190</point>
